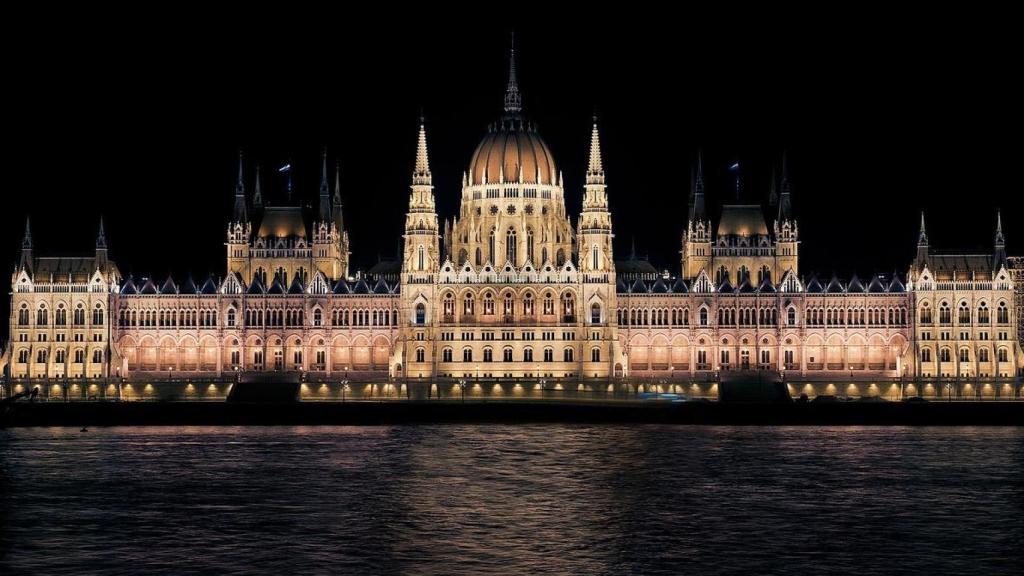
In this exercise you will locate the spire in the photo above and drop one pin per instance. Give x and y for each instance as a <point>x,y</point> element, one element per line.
<point>922,237</point>
<point>257,197</point>
<point>26,241</point>
<point>421,173</point>
<point>999,258</point>
<point>697,207</point>
<point>339,221</point>
<point>101,237</point>
<point>325,190</point>
<point>785,202</point>
<point>26,248</point>
<point>595,170</point>
<point>240,214</point>
<point>337,184</point>
<point>513,101</point>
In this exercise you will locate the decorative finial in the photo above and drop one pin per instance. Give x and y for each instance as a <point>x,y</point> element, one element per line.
<point>421,173</point>
<point>922,237</point>
<point>101,237</point>
<point>26,242</point>
<point>257,197</point>
<point>999,227</point>
<point>595,171</point>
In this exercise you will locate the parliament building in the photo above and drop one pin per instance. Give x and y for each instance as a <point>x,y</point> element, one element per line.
<point>515,295</point>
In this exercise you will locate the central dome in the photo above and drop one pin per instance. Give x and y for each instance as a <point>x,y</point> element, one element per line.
<point>510,148</point>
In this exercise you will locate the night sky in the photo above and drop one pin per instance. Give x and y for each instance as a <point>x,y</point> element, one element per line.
<point>894,116</point>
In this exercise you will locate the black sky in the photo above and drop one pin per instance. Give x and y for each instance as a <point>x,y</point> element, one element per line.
<point>882,115</point>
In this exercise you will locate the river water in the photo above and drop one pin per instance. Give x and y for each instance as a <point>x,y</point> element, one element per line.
<point>530,499</point>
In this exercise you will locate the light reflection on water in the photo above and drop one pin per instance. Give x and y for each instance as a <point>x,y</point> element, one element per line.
<point>536,499</point>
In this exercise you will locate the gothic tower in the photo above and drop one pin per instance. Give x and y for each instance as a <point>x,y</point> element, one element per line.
<point>330,245</point>
<point>787,233</point>
<point>696,252</point>
<point>422,241</point>
<point>595,221</point>
<point>239,229</point>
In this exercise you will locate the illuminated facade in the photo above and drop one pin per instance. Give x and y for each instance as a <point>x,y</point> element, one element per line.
<point>511,290</point>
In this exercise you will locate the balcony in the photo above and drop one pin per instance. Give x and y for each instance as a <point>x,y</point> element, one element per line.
<point>816,366</point>
<point>835,366</point>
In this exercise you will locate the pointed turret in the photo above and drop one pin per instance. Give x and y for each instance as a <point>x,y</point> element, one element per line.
<point>513,100</point>
<point>595,169</point>
<point>325,190</point>
<point>697,211</point>
<point>240,213</point>
<point>922,245</point>
<point>26,246</point>
<point>421,173</point>
<point>257,196</point>
<point>339,221</point>
<point>785,201</point>
<point>101,247</point>
<point>999,258</point>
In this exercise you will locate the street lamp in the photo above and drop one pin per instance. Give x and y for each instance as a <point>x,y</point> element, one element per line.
<point>344,387</point>
<point>462,386</point>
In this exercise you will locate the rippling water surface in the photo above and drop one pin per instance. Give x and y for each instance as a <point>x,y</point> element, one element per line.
<point>532,499</point>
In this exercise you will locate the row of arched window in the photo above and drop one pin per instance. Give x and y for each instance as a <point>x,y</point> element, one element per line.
<point>821,316</point>
<point>170,318</point>
<point>963,314</point>
<point>60,356</point>
<point>964,355</point>
<point>508,355</point>
<point>60,315</point>
<point>488,305</point>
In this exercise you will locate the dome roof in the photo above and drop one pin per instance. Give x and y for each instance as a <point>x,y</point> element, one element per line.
<point>509,145</point>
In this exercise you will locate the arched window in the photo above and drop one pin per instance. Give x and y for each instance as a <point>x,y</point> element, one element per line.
<point>703,316</point>
<point>1002,315</point>
<point>529,244</point>
<point>549,303</point>
<point>791,317</point>
<point>945,316</point>
<point>488,304</point>
<point>964,314</point>
<point>60,317</point>
<point>318,317</point>
<point>490,247</point>
<point>42,318</point>
<point>467,304</point>
<point>23,315</point>
<point>467,354</point>
<point>506,354</point>
<point>926,355</point>
<point>722,275</point>
<point>595,355</point>
<point>528,304</point>
<point>983,317</point>
<point>488,355</point>
<point>983,355</point>
<point>528,355</point>
<point>944,355</point>
<point>926,313</point>
<point>97,356</point>
<point>595,313</point>
<point>560,258</point>
<point>567,355</point>
<point>510,246</point>
<point>421,314</point>
<point>568,308</point>
<point>421,264</point>
<point>595,258</point>
<point>449,307</point>
<point>549,355</point>
<point>446,355</point>
<point>41,356</point>
<point>965,355</point>
<point>1002,355</point>
<point>79,315</point>
<point>420,354</point>
<point>479,256</point>
<point>231,317</point>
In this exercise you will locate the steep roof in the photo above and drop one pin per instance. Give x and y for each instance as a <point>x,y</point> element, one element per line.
<point>742,220</point>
